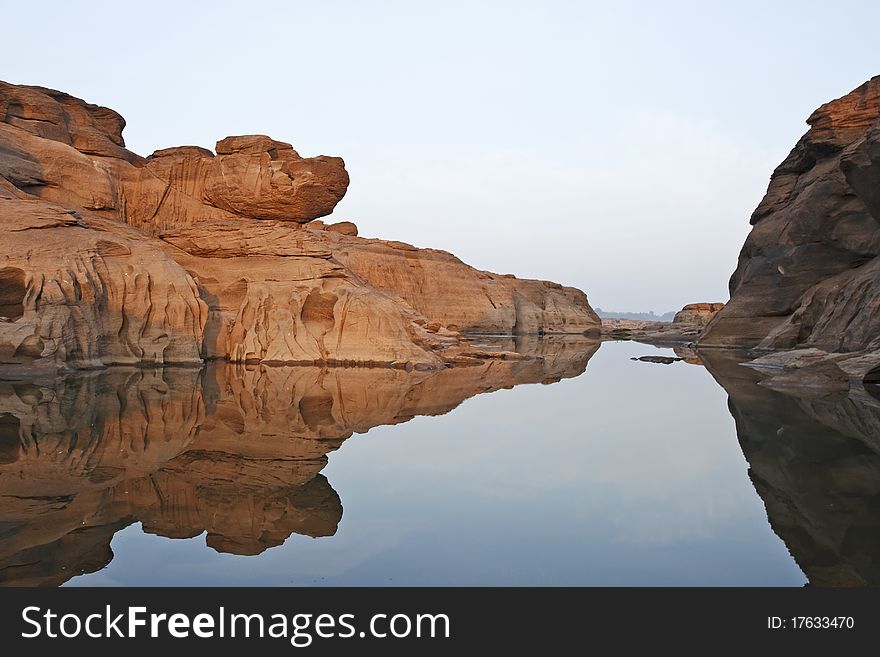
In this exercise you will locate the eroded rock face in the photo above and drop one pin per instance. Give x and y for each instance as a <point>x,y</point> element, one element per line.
<point>232,451</point>
<point>220,265</point>
<point>697,314</point>
<point>251,176</point>
<point>809,274</point>
<point>89,292</point>
<point>448,292</point>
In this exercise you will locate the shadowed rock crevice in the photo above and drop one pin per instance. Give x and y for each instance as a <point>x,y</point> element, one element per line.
<point>12,293</point>
<point>10,438</point>
<point>317,311</point>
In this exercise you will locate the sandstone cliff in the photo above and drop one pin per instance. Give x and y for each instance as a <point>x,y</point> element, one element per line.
<point>809,273</point>
<point>188,254</point>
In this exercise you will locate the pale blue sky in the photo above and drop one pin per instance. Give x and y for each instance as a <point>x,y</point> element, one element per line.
<point>616,146</point>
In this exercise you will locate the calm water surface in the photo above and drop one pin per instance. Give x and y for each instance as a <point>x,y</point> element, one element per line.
<point>509,473</point>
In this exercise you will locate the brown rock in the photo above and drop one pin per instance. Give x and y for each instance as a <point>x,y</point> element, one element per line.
<point>657,333</point>
<point>91,292</point>
<point>251,176</point>
<point>56,116</point>
<point>232,274</point>
<point>809,274</point>
<point>447,291</point>
<point>344,228</point>
<point>697,314</point>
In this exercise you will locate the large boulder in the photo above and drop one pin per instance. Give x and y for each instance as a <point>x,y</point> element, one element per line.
<point>697,314</point>
<point>809,273</point>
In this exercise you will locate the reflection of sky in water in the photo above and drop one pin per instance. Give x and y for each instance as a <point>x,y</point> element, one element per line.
<point>630,474</point>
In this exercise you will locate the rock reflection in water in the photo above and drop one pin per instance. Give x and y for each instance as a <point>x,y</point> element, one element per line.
<point>814,459</point>
<point>232,451</point>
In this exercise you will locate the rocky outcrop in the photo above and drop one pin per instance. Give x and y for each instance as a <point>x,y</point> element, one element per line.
<point>685,328</point>
<point>808,275</point>
<point>449,293</point>
<point>91,292</point>
<point>697,314</point>
<point>190,254</point>
<point>233,451</point>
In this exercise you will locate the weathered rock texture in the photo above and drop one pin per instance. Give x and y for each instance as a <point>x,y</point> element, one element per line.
<point>809,273</point>
<point>190,254</point>
<point>697,314</point>
<point>86,293</point>
<point>232,450</point>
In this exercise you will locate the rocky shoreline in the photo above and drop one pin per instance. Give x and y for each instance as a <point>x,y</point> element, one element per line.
<point>190,255</point>
<point>685,329</point>
<point>804,305</point>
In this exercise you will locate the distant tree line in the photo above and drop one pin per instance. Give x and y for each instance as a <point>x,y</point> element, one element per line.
<point>648,316</point>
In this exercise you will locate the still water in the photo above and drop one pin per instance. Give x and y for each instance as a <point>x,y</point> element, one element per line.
<point>582,467</point>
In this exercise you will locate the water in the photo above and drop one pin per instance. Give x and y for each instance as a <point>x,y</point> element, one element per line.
<point>510,473</point>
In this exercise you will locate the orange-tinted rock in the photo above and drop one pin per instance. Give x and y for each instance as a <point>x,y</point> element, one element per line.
<point>250,177</point>
<point>344,228</point>
<point>698,314</point>
<point>89,292</point>
<point>231,273</point>
<point>447,291</point>
<point>57,116</point>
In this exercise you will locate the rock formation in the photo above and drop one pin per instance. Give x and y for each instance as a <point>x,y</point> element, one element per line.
<point>232,450</point>
<point>808,275</point>
<point>697,314</point>
<point>112,258</point>
<point>685,328</point>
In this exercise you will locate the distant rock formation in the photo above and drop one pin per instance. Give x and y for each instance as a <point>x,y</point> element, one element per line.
<point>231,450</point>
<point>115,259</point>
<point>809,273</point>
<point>649,316</point>
<point>697,314</point>
<point>685,328</point>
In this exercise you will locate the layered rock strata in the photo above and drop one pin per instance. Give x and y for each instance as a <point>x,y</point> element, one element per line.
<point>191,254</point>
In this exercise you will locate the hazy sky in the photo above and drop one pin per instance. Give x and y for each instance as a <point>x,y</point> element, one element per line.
<point>615,146</point>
